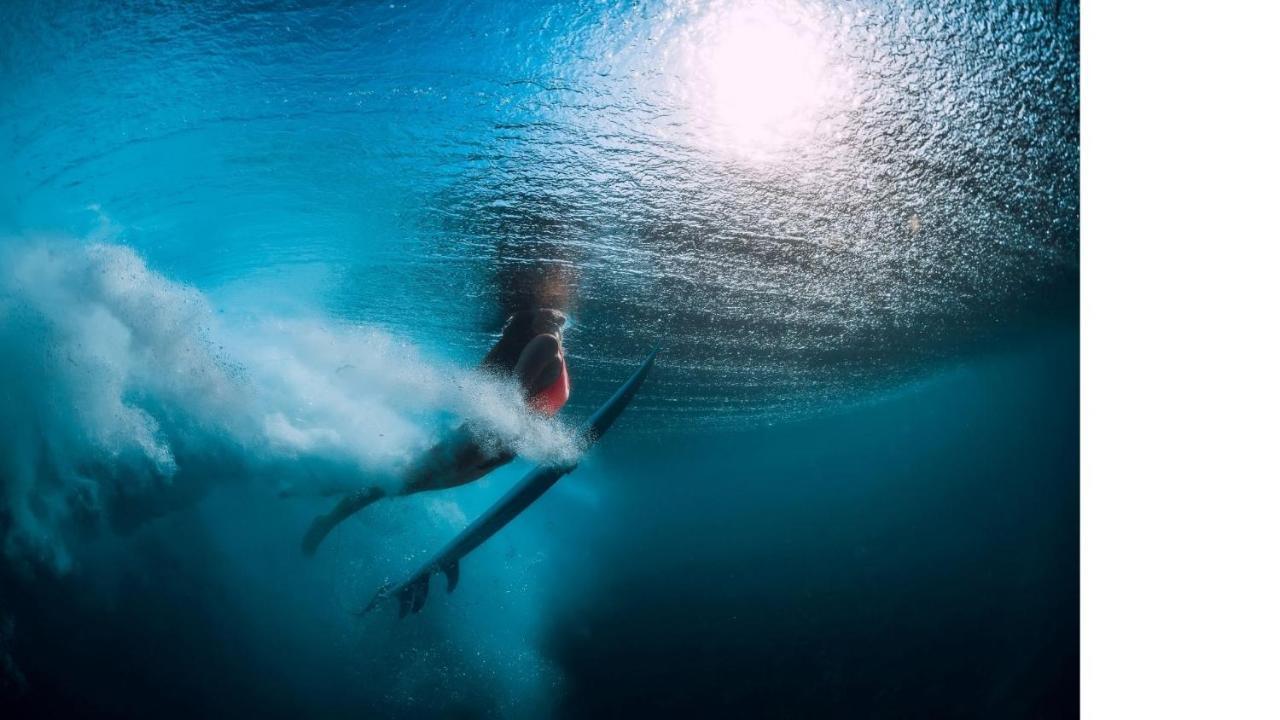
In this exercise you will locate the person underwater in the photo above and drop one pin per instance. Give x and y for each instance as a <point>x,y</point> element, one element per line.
<point>531,351</point>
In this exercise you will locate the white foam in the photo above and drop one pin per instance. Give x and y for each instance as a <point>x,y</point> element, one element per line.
<point>116,376</point>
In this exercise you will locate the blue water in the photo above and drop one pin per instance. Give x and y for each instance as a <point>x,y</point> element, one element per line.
<point>250,252</point>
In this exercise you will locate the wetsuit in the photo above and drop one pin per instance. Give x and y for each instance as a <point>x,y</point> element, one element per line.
<point>529,350</point>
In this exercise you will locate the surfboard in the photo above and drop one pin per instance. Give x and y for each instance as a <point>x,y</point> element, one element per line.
<point>412,593</point>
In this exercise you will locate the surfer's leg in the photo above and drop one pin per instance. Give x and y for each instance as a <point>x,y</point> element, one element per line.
<point>350,505</point>
<point>458,460</point>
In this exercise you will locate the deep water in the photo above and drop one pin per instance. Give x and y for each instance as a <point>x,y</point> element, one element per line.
<point>914,557</point>
<point>250,254</point>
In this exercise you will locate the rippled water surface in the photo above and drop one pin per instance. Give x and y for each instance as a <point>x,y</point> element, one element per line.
<point>799,200</point>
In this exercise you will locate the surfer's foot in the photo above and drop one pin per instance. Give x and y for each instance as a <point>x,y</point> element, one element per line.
<point>349,506</point>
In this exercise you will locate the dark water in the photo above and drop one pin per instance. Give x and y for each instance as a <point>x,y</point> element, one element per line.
<point>252,250</point>
<point>915,557</point>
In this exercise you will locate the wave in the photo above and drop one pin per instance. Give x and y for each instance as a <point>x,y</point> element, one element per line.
<point>127,394</point>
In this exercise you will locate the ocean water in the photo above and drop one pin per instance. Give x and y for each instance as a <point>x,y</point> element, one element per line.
<point>251,252</point>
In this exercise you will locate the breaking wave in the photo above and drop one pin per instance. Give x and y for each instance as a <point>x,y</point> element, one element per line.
<point>126,394</point>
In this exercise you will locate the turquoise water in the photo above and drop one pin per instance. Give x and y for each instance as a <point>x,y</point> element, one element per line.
<point>251,252</point>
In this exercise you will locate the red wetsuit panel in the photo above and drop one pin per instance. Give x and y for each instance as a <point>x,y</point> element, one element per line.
<point>550,399</point>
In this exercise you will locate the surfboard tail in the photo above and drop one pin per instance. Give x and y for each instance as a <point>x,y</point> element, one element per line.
<point>378,597</point>
<point>412,595</point>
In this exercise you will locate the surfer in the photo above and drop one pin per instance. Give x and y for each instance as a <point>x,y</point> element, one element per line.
<point>531,351</point>
<point>412,593</point>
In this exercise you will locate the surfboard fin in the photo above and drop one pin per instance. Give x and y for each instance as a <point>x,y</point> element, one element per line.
<point>451,576</point>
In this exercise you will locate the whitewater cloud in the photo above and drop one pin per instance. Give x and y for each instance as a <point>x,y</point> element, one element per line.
<point>124,393</point>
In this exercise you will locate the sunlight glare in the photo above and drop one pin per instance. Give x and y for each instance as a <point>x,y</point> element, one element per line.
<point>760,70</point>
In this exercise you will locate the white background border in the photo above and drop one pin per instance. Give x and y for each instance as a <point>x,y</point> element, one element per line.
<point>1180,351</point>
